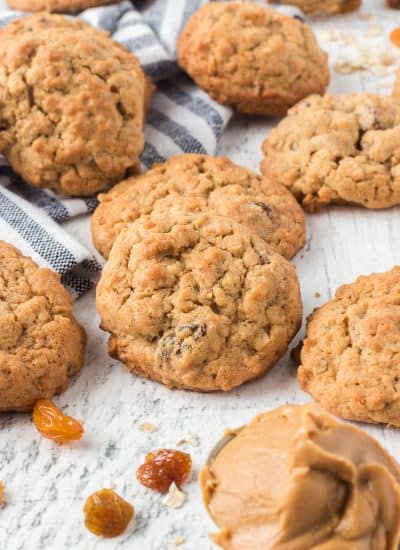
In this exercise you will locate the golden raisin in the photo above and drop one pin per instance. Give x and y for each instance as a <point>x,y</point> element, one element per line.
<point>162,468</point>
<point>52,423</point>
<point>107,514</point>
<point>395,37</point>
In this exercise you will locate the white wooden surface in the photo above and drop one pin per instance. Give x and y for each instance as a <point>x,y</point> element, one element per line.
<point>46,485</point>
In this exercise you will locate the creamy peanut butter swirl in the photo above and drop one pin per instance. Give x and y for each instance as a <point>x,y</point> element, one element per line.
<point>297,479</point>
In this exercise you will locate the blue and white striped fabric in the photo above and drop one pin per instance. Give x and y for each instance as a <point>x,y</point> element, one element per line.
<point>182,119</point>
<point>29,228</point>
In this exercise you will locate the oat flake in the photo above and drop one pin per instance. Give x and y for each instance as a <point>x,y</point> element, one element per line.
<point>189,439</point>
<point>175,498</point>
<point>147,427</point>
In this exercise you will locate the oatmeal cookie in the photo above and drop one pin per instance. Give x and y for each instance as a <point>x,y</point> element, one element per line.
<point>338,150</point>
<point>350,359</point>
<point>324,6</point>
<point>197,301</point>
<point>57,6</point>
<point>218,184</point>
<point>252,57</point>
<point>41,344</point>
<point>72,104</point>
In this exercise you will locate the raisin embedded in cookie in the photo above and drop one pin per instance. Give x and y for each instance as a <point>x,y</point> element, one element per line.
<point>342,150</point>
<point>252,57</point>
<point>324,6</point>
<point>216,184</point>
<point>41,344</point>
<point>197,301</point>
<point>72,104</point>
<point>60,6</point>
<point>350,360</point>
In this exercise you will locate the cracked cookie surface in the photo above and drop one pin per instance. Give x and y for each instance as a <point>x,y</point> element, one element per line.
<point>41,344</point>
<point>350,359</point>
<point>217,184</point>
<point>57,6</point>
<point>339,150</point>
<point>324,6</point>
<point>71,104</point>
<point>252,57</point>
<point>197,301</point>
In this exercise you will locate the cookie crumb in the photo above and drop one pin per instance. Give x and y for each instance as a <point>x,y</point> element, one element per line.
<point>374,30</point>
<point>147,427</point>
<point>317,295</point>
<point>190,438</point>
<point>329,35</point>
<point>179,540</point>
<point>175,498</point>
<point>348,67</point>
<point>387,59</point>
<point>365,16</point>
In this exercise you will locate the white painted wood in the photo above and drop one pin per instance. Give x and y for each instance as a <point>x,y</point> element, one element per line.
<point>46,485</point>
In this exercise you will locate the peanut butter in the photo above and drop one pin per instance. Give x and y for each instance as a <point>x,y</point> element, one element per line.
<point>298,479</point>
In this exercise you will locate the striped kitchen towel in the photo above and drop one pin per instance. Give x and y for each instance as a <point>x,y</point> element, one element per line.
<point>182,119</point>
<point>30,229</point>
